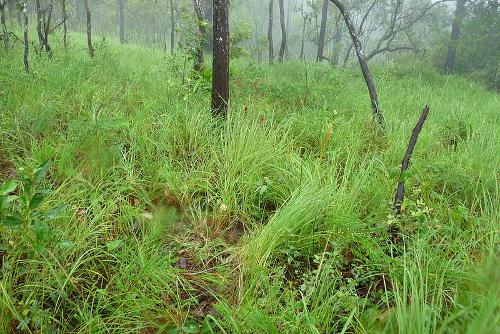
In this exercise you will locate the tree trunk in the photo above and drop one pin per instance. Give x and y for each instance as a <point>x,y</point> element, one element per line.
<point>270,32</point>
<point>39,22</point>
<point>4,26</point>
<point>455,32</point>
<point>302,42</point>
<point>46,27</point>
<point>122,21</point>
<point>65,27</point>
<point>172,27</point>
<point>26,42</point>
<point>199,61</point>
<point>220,65</point>
<point>89,29</point>
<point>377,113</point>
<point>322,31</point>
<point>283,31</point>
<point>400,190</point>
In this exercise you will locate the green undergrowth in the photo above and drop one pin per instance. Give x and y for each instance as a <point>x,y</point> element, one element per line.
<point>127,209</point>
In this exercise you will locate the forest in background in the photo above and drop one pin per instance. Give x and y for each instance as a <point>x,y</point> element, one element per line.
<point>143,190</point>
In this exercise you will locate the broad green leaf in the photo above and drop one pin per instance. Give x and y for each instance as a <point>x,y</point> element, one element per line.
<point>41,171</point>
<point>38,199</point>
<point>12,220</point>
<point>8,187</point>
<point>9,199</point>
<point>40,229</point>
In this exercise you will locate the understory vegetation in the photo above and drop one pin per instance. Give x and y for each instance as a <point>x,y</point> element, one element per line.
<point>128,209</point>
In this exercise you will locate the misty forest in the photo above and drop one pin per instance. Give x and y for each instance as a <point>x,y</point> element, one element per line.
<point>259,166</point>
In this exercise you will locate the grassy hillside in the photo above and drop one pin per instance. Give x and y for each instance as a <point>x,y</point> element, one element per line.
<point>137,213</point>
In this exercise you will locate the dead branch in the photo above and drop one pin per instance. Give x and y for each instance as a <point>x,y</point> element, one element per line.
<point>400,190</point>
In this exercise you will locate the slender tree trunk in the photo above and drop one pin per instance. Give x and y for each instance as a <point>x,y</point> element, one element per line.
<point>220,65</point>
<point>89,29</point>
<point>302,42</point>
<point>46,27</point>
<point>121,14</point>
<point>322,31</point>
<point>65,26</point>
<point>38,9</point>
<point>455,33</point>
<point>4,27</point>
<point>270,32</point>
<point>400,190</point>
<point>172,27</point>
<point>26,42</point>
<point>199,61</point>
<point>283,31</point>
<point>377,113</point>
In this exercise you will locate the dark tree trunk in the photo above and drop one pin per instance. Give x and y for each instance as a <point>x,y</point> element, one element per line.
<point>302,42</point>
<point>39,31</point>
<point>400,190</point>
<point>322,31</point>
<point>377,113</point>
<point>455,32</point>
<point>172,27</point>
<point>121,14</point>
<point>4,27</point>
<point>89,29</point>
<point>220,65</point>
<point>283,31</point>
<point>46,26</point>
<point>65,27</point>
<point>26,42</point>
<point>199,61</point>
<point>270,32</point>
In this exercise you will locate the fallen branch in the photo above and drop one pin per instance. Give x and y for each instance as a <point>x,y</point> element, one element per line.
<point>400,191</point>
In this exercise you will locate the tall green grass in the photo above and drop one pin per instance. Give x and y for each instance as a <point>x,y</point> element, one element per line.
<point>277,220</point>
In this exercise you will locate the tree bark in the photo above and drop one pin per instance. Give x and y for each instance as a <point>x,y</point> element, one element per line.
<point>455,33</point>
<point>89,29</point>
<point>65,27</point>
<point>283,31</point>
<point>220,65</point>
<point>39,31</point>
<point>322,31</point>
<point>199,61</point>
<point>400,190</point>
<point>377,113</point>
<point>121,15</point>
<point>270,32</point>
<point>26,42</point>
<point>302,42</point>
<point>46,27</point>
<point>172,27</point>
